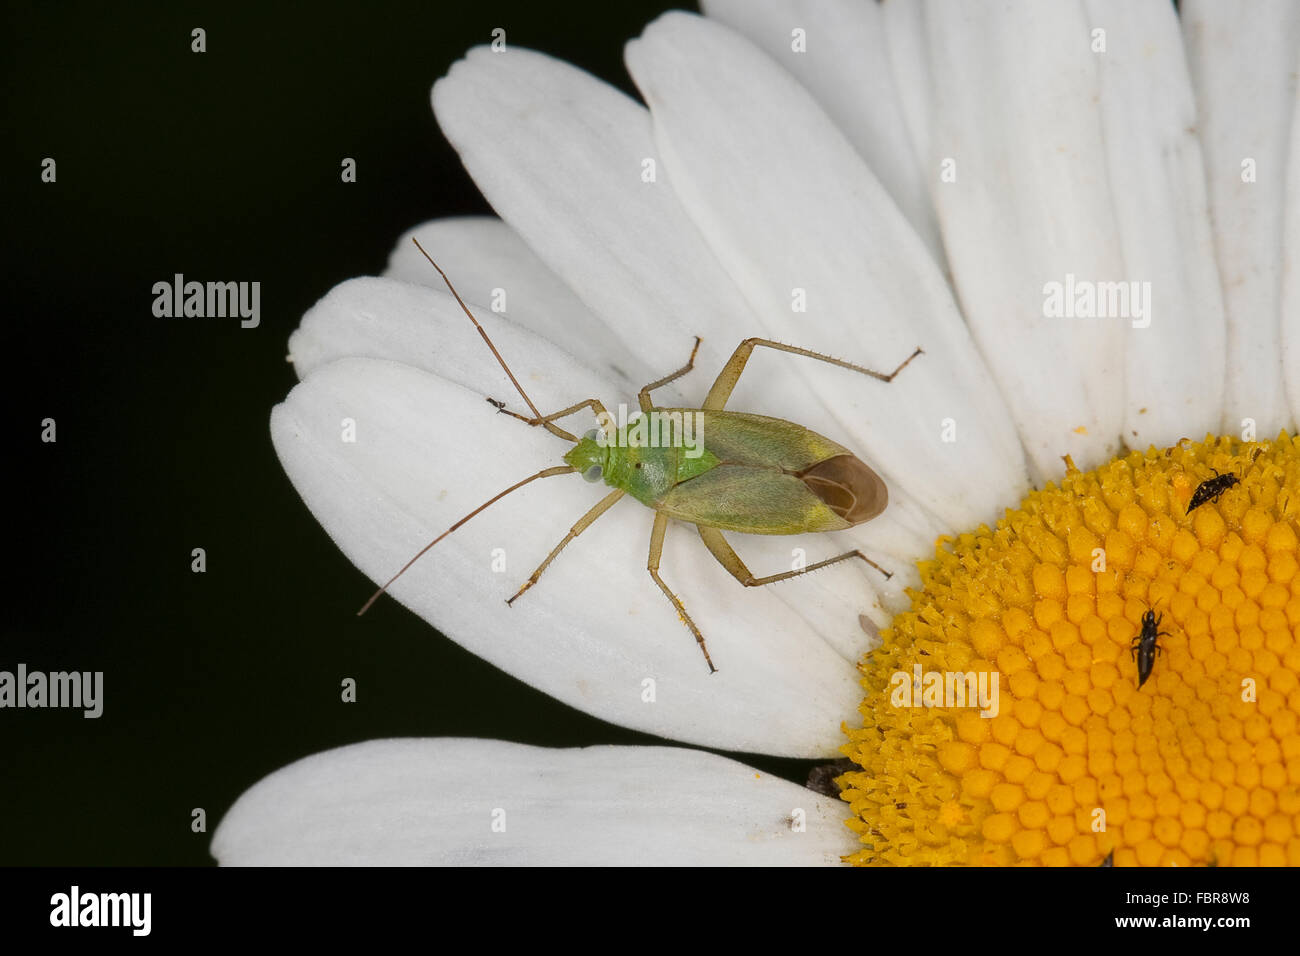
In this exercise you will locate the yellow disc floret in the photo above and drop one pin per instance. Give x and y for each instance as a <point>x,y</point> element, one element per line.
<point>1004,722</point>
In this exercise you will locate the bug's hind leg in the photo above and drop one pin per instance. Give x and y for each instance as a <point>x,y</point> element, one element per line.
<point>727,557</point>
<point>652,565</point>
<point>644,396</point>
<point>730,374</point>
<point>583,523</point>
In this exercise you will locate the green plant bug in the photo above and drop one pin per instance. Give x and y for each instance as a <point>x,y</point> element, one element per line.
<point>716,469</point>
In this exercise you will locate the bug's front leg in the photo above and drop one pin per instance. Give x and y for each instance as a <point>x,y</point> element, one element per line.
<point>644,396</point>
<point>730,374</point>
<point>549,420</point>
<point>583,523</point>
<point>652,565</point>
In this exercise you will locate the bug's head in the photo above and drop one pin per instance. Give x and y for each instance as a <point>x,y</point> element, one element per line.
<point>589,457</point>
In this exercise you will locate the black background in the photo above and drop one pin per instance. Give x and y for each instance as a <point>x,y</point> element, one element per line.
<point>222,166</point>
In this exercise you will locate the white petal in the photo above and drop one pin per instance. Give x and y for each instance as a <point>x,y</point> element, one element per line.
<point>425,328</point>
<point>435,802</point>
<point>1243,63</point>
<point>595,627</point>
<point>844,64</point>
<point>1016,110</point>
<point>494,269</point>
<point>909,60</point>
<point>789,205</point>
<point>1291,269</point>
<point>1175,353</point>
<point>560,155</point>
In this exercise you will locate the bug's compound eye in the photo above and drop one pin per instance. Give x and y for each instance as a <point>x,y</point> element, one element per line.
<point>592,474</point>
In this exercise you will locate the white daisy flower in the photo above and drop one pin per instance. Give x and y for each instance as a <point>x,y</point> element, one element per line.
<point>852,178</point>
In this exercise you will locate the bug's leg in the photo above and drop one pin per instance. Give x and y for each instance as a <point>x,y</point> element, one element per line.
<point>548,420</point>
<point>652,565</point>
<point>644,397</point>
<point>727,557</point>
<point>730,374</point>
<point>583,523</point>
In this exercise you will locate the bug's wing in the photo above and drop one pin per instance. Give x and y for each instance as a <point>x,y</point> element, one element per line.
<point>750,500</point>
<point>832,473</point>
<point>758,440</point>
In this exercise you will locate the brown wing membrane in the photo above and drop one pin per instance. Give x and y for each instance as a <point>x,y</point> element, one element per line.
<point>850,489</point>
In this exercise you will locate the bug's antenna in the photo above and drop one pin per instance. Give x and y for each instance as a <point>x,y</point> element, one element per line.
<point>550,427</point>
<point>549,472</point>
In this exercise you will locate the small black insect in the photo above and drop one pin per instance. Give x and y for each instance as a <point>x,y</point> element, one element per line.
<point>821,779</point>
<point>1110,859</point>
<point>1144,646</point>
<point>1211,489</point>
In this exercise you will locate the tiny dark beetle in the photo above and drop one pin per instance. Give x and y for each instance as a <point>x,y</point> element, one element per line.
<point>1211,489</point>
<point>1109,861</point>
<point>821,779</point>
<point>1144,646</point>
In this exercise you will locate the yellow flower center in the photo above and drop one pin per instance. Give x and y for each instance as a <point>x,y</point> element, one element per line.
<point>1036,620</point>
